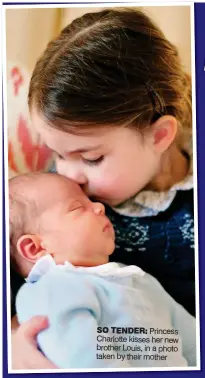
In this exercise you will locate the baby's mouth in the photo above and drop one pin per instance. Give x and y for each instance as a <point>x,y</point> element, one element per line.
<point>106,227</point>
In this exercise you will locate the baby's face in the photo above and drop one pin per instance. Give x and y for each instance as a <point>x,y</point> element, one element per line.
<point>71,226</point>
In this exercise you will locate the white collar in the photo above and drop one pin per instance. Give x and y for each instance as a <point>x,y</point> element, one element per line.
<point>46,263</point>
<point>151,203</point>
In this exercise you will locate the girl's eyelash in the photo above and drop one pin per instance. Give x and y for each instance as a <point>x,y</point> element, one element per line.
<point>86,161</point>
<point>94,161</point>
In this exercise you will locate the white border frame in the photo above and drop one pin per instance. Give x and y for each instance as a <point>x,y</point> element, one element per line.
<point>103,5</point>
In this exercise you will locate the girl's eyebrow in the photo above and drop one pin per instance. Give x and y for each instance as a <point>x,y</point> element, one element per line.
<point>78,150</point>
<point>87,149</point>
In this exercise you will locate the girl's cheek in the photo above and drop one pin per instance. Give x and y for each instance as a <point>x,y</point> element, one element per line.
<point>61,167</point>
<point>107,184</point>
<point>58,166</point>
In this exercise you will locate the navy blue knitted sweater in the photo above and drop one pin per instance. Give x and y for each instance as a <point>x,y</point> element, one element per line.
<point>162,245</point>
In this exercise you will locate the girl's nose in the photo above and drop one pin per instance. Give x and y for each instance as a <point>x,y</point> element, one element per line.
<point>77,176</point>
<point>98,208</point>
<point>72,171</point>
<point>80,179</point>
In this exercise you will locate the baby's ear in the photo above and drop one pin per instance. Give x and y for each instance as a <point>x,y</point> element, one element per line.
<point>164,133</point>
<point>29,247</point>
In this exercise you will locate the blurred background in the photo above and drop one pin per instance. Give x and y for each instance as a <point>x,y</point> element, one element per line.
<point>28,31</point>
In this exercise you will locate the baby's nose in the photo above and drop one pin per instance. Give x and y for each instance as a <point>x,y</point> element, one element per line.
<point>98,208</point>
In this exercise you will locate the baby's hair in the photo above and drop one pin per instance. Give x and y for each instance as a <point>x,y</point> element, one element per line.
<point>114,67</point>
<point>22,211</point>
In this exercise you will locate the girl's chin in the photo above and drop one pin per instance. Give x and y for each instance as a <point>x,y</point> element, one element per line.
<point>107,201</point>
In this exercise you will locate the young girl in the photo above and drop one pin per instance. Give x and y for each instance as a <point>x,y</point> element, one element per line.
<point>111,98</point>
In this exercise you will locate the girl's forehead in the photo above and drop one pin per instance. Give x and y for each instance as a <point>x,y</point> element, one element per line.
<point>89,139</point>
<point>62,141</point>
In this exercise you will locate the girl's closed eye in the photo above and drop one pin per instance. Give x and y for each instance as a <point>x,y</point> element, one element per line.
<point>95,161</point>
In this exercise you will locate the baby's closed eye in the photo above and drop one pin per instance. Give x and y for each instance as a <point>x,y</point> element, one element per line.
<point>77,205</point>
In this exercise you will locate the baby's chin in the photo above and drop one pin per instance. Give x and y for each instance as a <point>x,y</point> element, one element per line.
<point>93,263</point>
<point>102,259</point>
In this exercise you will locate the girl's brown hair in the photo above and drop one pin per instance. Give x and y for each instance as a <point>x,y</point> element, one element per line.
<point>114,67</point>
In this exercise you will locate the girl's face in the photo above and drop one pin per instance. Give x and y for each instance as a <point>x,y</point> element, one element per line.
<point>111,164</point>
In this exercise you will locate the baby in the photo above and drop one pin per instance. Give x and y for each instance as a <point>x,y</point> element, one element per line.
<point>101,314</point>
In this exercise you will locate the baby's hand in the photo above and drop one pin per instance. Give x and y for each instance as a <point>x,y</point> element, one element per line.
<point>25,354</point>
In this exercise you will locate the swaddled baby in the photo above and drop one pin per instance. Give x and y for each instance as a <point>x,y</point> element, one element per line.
<point>60,241</point>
